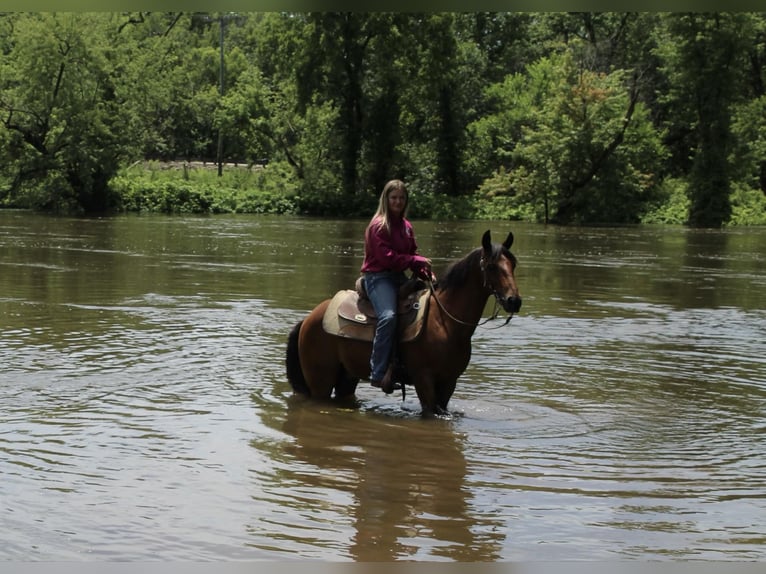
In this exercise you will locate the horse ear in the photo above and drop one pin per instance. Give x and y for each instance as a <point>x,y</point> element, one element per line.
<point>508,241</point>
<point>486,242</point>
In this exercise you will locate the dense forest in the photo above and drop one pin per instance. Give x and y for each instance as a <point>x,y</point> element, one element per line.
<point>568,118</point>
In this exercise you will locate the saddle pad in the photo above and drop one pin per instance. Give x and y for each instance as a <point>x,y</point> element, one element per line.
<point>348,316</point>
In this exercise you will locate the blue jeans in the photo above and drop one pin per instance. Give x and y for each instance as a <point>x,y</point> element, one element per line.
<point>383,291</point>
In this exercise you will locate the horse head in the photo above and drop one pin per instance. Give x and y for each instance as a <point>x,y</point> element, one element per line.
<point>498,265</point>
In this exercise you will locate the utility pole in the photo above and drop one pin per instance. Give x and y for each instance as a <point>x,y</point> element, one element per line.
<point>222,20</point>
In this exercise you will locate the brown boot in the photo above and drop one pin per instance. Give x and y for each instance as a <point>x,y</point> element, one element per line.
<point>386,383</point>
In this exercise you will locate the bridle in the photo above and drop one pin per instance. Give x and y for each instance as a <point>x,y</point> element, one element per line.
<point>487,283</point>
<point>498,299</point>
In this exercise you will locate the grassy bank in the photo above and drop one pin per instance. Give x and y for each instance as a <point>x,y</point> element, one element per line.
<point>181,187</point>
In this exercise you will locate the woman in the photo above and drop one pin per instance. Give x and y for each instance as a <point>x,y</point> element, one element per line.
<point>389,250</point>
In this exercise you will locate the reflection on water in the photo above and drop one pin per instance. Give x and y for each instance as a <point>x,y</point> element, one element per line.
<point>144,412</point>
<point>397,483</point>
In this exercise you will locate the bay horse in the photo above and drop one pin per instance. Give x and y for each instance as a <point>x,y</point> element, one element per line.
<point>319,363</point>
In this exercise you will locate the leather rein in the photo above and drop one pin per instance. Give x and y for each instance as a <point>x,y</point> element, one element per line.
<point>495,311</point>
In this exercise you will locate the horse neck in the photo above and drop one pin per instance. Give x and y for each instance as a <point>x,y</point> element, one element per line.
<point>466,302</point>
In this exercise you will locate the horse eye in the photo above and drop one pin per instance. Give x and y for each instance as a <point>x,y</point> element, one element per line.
<point>491,266</point>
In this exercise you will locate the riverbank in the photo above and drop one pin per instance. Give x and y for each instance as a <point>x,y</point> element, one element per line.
<point>183,186</point>
<point>271,188</point>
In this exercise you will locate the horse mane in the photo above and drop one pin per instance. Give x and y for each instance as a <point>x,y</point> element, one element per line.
<point>459,271</point>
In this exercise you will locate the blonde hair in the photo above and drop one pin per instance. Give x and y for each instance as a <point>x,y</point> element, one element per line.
<point>382,214</point>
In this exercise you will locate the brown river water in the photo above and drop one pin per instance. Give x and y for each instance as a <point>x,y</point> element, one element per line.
<point>145,413</point>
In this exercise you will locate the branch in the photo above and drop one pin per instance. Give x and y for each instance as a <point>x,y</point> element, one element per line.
<point>173,23</point>
<point>30,136</point>
<point>131,20</point>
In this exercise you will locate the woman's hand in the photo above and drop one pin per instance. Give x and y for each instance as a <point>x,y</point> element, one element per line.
<point>422,268</point>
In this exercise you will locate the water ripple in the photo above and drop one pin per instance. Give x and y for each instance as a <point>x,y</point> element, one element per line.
<point>146,416</point>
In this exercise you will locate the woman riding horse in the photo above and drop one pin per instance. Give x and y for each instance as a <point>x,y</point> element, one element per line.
<point>389,249</point>
<point>319,363</point>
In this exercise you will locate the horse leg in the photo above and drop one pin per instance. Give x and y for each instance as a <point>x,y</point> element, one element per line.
<point>293,363</point>
<point>443,394</point>
<point>318,355</point>
<point>434,395</point>
<point>345,384</point>
<point>425,389</point>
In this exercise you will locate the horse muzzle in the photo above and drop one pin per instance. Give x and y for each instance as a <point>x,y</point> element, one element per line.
<point>511,304</point>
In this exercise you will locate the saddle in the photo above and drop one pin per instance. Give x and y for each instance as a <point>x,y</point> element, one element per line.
<point>351,314</point>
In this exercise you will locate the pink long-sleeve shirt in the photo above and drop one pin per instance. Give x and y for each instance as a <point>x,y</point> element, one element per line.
<point>394,251</point>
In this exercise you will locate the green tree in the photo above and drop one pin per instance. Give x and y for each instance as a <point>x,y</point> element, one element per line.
<point>288,115</point>
<point>505,40</point>
<point>170,83</point>
<point>550,116</point>
<point>576,145</point>
<point>444,66</point>
<point>64,125</point>
<point>749,116</point>
<point>703,57</point>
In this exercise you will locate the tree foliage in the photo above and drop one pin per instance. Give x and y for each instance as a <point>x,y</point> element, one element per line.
<point>64,124</point>
<point>705,64</point>
<point>572,118</point>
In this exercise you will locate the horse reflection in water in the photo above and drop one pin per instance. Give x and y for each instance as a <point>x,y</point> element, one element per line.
<point>320,364</point>
<point>399,485</point>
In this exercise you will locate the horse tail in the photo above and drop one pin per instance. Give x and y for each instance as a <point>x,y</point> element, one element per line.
<point>293,362</point>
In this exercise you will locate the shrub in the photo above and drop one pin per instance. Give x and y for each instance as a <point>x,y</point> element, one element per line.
<point>153,188</point>
<point>748,206</point>
<point>671,205</point>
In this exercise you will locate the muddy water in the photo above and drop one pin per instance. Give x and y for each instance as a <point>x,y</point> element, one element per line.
<point>145,415</point>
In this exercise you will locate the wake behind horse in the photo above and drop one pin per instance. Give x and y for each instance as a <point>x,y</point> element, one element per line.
<point>321,365</point>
